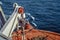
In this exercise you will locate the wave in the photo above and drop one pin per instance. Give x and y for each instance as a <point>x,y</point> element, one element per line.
<point>30,16</point>
<point>33,19</point>
<point>1,3</point>
<point>34,24</point>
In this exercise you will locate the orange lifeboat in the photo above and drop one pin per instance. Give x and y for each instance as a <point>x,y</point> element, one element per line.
<point>29,33</point>
<point>35,34</point>
<point>14,36</point>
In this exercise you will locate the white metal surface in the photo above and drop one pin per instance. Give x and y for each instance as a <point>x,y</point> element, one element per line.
<point>10,25</point>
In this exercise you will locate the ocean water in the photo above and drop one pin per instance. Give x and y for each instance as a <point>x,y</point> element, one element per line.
<point>46,13</point>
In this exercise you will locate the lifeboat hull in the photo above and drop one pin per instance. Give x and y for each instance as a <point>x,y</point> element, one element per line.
<point>35,34</point>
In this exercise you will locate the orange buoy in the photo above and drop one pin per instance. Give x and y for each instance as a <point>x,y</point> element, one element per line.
<point>21,10</point>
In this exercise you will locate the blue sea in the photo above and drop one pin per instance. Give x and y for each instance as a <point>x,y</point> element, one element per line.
<point>46,13</point>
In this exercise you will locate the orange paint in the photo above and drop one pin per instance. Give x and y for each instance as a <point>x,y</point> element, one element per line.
<point>28,26</point>
<point>21,10</point>
<point>35,33</point>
